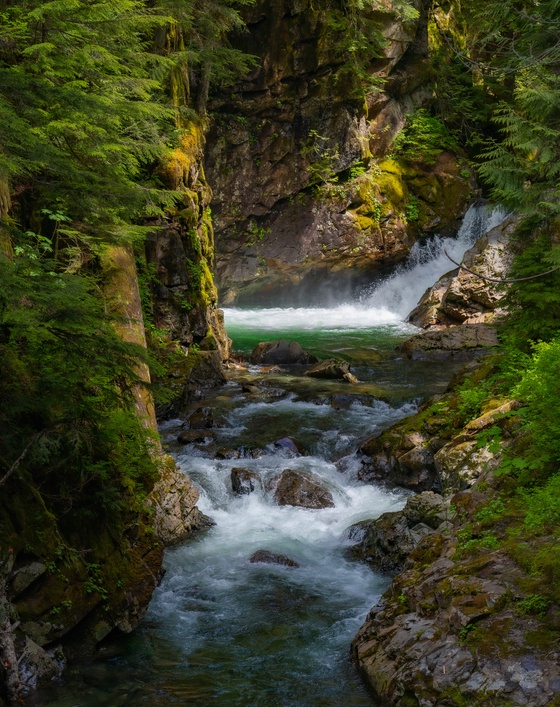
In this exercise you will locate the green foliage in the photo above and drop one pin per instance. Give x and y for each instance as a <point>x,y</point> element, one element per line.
<point>470,398</point>
<point>533,605</point>
<point>355,34</point>
<point>539,390</point>
<point>507,54</point>
<point>423,138</point>
<point>323,159</point>
<point>255,233</point>
<point>542,505</point>
<point>534,305</point>
<point>411,209</point>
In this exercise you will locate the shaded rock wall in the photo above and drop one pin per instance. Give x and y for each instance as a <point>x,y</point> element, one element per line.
<point>295,156</point>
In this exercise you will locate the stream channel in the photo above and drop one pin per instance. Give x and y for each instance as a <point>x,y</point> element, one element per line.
<point>221,630</point>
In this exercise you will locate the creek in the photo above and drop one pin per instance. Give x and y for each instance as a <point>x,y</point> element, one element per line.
<point>221,630</point>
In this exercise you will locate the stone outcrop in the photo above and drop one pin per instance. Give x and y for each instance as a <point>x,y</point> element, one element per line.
<point>173,500</point>
<point>295,488</point>
<point>433,450</point>
<point>464,622</point>
<point>305,196</point>
<point>386,543</point>
<point>332,369</point>
<point>459,297</point>
<point>457,343</point>
<point>177,278</point>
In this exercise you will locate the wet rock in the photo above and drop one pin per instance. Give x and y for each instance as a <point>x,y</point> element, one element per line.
<point>405,460</point>
<point>251,389</point>
<point>454,342</point>
<point>243,452</point>
<point>448,627</point>
<point>460,296</point>
<point>201,419</point>
<point>244,481</point>
<point>281,351</point>
<point>287,444</point>
<point>386,543</point>
<point>294,488</point>
<point>272,558</point>
<point>332,368</point>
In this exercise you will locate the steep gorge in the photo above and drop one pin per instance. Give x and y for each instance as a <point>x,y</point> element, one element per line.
<point>298,173</point>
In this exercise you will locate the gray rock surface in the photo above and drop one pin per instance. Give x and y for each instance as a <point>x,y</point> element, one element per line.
<point>244,481</point>
<point>386,543</point>
<point>455,342</point>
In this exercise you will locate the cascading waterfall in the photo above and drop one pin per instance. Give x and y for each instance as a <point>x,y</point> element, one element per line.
<point>427,262</point>
<point>223,631</point>
<point>384,304</point>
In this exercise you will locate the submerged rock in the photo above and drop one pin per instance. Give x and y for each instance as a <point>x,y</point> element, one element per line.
<point>294,488</point>
<point>190,436</point>
<point>272,558</point>
<point>244,481</point>
<point>281,351</point>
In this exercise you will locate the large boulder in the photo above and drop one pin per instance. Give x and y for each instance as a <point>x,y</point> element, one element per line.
<point>400,459</point>
<point>460,296</point>
<point>281,351</point>
<point>173,500</point>
<point>452,343</point>
<point>294,488</point>
<point>386,543</point>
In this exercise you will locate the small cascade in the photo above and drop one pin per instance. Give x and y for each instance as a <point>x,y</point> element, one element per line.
<point>427,262</point>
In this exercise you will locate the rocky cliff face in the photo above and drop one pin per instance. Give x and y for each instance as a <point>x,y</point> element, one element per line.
<point>303,192</point>
<point>178,280</point>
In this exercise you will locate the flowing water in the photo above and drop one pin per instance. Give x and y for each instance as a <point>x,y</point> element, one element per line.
<point>221,630</point>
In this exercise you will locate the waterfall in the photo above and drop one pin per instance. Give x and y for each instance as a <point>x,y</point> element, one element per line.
<point>384,304</point>
<point>427,262</point>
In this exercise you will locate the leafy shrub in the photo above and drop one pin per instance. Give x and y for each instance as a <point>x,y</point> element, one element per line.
<point>539,389</point>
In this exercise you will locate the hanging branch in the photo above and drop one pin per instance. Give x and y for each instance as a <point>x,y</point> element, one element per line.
<point>21,457</point>
<point>500,280</point>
